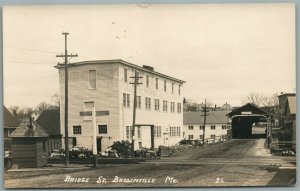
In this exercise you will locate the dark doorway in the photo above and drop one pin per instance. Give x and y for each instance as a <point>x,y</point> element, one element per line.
<point>99,146</point>
<point>242,127</point>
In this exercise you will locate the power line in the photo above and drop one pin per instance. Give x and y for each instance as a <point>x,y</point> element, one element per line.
<point>24,62</point>
<point>30,49</point>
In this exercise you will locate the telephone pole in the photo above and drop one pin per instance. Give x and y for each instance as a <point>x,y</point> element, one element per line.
<point>204,121</point>
<point>65,56</point>
<point>135,84</point>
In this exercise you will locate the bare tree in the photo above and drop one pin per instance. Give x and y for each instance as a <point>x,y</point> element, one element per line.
<point>256,98</point>
<point>42,107</point>
<point>56,99</point>
<point>271,101</point>
<point>14,110</point>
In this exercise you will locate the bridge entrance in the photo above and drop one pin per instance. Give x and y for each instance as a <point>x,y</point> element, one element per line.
<point>245,120</point>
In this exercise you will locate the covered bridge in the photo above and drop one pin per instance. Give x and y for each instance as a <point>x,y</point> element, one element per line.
<point>243,118</point>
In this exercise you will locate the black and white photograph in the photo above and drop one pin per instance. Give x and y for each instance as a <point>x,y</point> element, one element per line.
<point>149,95</point>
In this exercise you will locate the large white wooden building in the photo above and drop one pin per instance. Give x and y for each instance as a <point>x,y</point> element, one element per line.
<point>216,125</point>
<point>105,86</point>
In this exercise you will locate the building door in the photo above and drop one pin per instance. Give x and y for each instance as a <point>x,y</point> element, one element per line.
<point>99,146</point>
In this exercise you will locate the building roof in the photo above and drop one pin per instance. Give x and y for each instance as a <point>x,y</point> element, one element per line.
<point>50,121</point>
<point>9,120</point>
<point>226,106</point>
<point>24,130</point>
<point>248,108</point>
<point>292,104</point>
<point>59,66</point>
<point>287,94</point>
<point>213,117</point>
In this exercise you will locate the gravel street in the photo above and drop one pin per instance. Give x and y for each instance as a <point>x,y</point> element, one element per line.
<point>232,163</point>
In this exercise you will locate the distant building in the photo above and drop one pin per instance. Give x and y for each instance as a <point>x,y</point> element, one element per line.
<point>10,123</point>
<point>216,125</point>
<point>50,121</point>
<point>105,86</point>
<point>289,122</point>
<point>226,107</point>
<point>283,99</point>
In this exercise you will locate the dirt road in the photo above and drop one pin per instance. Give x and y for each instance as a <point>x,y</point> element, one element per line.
<point>232,163</point>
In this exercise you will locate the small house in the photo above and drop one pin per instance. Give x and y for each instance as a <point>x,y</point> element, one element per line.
<point>29,145</point>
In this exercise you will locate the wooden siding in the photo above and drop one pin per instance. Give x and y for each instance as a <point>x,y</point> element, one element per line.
<point>42,152</point>
<point>29,152</point>
<point>164,119</point>
<point>105,97</point>
<point>24,152</point>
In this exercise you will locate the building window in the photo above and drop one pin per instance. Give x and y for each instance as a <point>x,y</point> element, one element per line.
<point>165,85</point>
<point>178,107</point>
<point>156,104</point>
<point>102,129</point>
<point>165,105</point>
<point>129,132</point>
<point>156,83</point>
<point>179,89</point>
<point>213,136</point>
<point>212,127</point>
<point>157,131</point>
<point>148,102</point>
<point>224,127</point>
<point>77,130</point>
<point>88,105</point>
<point>125,74</point>
<point>174,131</point>
<point>147,81</point>
<point>138,102</point>
<point>172,107</point>
<point>201,127</point>
<point>191,137</point>
<point>124,99</point>
<point>201,137</point>
<point>128,100</point>
<point>178,131</point>
<point>140,145</point>
<point>172,88</point>
<point>92,79</point>
<point>191,127</point>
<point>139,131</point>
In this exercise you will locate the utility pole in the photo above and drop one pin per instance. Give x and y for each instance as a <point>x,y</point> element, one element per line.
<point>204,121</point>
<point>65,56</point>
<point>135,84</point>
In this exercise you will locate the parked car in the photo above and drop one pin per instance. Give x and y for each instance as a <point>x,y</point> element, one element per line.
<point>109,153</point>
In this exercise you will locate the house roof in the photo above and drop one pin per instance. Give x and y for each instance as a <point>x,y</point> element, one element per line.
<point>24,130</point>
<point>59,66</point>
<point>213,117</point>
<point>287,94</point>
<point>292,104</point>
<point>226,106</point>
<point>247,107</point>
<point>9,120</point>
<point>50,121</point>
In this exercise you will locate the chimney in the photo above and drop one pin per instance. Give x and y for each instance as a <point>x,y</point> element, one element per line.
<point>30,123</point>
<point>148,68</point>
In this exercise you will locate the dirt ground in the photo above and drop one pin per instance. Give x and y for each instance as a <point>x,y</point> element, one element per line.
<point>232,163</point>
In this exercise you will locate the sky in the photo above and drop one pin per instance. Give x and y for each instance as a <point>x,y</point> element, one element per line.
<point>222,51</point>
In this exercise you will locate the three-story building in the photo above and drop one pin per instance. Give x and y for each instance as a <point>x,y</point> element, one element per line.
<point>105,85</point>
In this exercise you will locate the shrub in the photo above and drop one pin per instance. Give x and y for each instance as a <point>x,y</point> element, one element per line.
<point>123,148</point>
